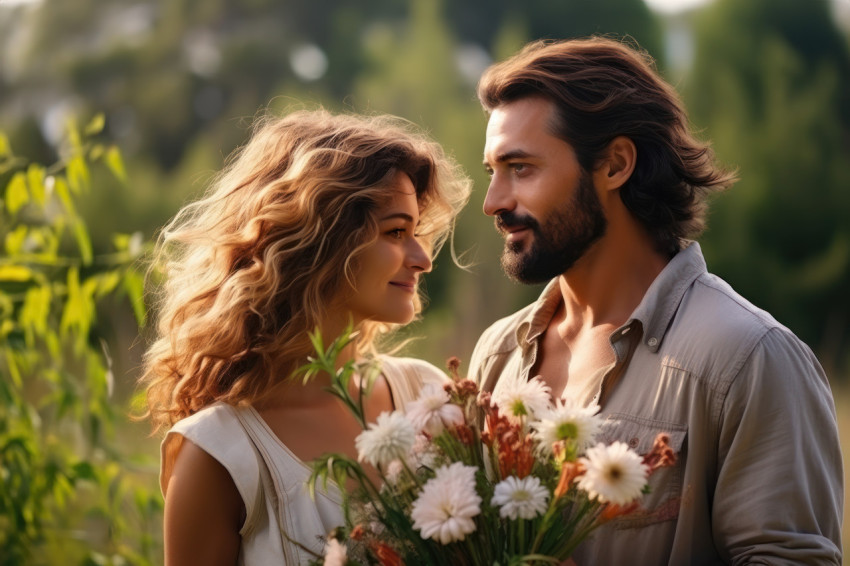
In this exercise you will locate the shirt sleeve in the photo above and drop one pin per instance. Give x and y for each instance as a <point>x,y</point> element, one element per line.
<point>779,491</point>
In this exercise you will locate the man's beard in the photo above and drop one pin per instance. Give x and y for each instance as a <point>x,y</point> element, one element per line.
<point>562,238</point>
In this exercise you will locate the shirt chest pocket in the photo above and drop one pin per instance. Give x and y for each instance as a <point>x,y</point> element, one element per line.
<point>665,495</point>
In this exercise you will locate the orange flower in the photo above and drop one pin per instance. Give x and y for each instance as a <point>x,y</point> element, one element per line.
<point>467,388</point>
<point>569,472</point>
<point>386,555</point>
<point>661,455</point>
<point>612,510</point>
<point>358,532</point>
<point>464,433</point>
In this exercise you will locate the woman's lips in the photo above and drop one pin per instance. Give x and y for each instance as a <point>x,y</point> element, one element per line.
<point>409,286</point>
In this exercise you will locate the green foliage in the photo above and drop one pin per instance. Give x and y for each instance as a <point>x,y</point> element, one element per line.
<point>67,494</point>
<point>325,361</point>
<point>770,83</point>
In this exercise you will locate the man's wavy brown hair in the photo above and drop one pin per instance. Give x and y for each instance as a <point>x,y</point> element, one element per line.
<point>250,268</point>
<point>602,89</point>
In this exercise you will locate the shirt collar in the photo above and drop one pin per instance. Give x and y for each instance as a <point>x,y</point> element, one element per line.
<point>663,297</point>
<point>654,312</point>
<point>537,320</point>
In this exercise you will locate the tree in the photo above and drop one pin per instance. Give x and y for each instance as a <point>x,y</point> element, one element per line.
<point>770,83</point>
<point>67,493</point>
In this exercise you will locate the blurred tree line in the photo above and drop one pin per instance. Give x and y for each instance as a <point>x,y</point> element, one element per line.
<point>180,81</point>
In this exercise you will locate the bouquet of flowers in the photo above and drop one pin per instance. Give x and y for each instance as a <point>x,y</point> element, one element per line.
<point>469,478</point>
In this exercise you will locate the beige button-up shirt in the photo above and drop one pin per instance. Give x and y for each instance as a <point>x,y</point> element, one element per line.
<point>759,478</point>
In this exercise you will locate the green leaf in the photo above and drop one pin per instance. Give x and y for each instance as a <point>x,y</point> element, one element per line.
<point>12,364</point>
<point>95,126</point>
<point>36,308</point>
<point>121,242</point>
<point>116,163</point>
<point>61,188</point>
<point>5,148</point>
<point>74,310</point>
<point>81,234</point>
<point>134,285</point>
<point>85,470</point>
<point>107,282</point>
<point>78,175</point>
<point>96,152</point>
<point>16,193</point>
<point>15,273</point>
<point>74,137</point>
<point>6,327</point>
<point>35,180</point>
<point>15,240</point>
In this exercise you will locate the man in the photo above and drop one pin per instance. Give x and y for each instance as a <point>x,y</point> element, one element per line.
<point>596,184</point>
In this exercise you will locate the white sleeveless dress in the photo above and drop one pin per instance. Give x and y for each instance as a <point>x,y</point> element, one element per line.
<point>278,505</point>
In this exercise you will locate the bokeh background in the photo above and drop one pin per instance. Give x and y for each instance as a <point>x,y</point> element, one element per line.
<point>161,91</point>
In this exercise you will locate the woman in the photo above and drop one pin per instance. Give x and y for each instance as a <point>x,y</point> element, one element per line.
<point>319,221</point>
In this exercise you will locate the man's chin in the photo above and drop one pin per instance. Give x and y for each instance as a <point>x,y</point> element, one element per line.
<point>516,267</point>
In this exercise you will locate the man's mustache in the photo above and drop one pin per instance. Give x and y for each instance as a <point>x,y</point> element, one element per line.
<point>508,220</point>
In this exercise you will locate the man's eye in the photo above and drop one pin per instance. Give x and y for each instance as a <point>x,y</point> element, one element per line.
<point>518,167</point>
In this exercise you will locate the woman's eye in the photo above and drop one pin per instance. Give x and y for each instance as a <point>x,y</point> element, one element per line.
<point>397,233</point>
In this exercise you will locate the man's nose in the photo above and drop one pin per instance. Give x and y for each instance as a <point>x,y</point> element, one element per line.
<point>499,196</point>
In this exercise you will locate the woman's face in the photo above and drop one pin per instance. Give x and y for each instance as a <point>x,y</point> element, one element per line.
<point>387,273</point>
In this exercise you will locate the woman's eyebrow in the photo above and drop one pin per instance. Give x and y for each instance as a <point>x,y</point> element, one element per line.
<point>394,215</point>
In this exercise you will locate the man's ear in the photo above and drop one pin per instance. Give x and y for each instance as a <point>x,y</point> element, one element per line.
<point>617,165</point>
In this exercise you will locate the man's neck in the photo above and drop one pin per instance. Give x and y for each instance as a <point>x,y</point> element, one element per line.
<point>606,285</point>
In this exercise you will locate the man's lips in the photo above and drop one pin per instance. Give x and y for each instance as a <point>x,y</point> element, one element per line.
<point>514,232</point>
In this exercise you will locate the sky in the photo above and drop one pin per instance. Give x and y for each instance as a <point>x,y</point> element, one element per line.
<point>674,6</point>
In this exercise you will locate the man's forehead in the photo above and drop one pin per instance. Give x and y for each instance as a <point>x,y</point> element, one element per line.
<point>513,127</point>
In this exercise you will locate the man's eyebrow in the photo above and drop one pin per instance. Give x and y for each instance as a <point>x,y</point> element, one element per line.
<point>508,155</point>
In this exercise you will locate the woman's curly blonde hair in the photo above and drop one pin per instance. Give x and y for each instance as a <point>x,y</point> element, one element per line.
<point>250,268</point>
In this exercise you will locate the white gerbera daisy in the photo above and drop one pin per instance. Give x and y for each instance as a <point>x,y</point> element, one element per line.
<point>524,498</point>
<point>566,421</point>
<point>431,411</point>
<point>335,553</point>
<point>613,473</point>
<point>447,504</point>
<point>522,398</point>
<point>390,438</point>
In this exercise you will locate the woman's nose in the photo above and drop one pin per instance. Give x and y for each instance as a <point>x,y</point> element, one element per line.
<point>418,258</point>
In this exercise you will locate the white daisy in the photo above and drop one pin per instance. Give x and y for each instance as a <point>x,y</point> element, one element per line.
<point>522,398</point>
<point>613,473</point>
<point>390,438</point>
<point>335,553</point>
<point>524,498</point>
<point>431,411</point>
<point>447,504</point>
<point>567,421</point>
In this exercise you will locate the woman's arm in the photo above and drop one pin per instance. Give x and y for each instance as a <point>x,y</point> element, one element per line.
<point>203,511</point>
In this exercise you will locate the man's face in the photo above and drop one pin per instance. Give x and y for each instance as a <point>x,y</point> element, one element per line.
<point>544,202</point>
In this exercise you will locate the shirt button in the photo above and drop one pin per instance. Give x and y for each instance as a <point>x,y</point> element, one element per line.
<point>633,442</point>
<point>653,342</point>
